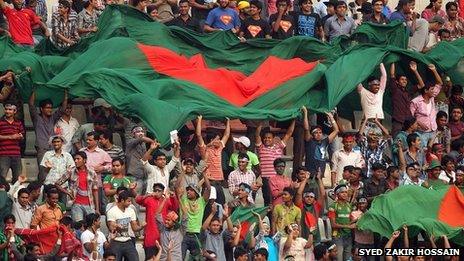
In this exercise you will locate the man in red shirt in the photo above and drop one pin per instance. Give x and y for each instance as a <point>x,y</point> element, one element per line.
<point>11,134</point>
<point>20,22</point>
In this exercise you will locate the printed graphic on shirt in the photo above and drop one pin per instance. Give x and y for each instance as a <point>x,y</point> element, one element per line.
<point>226,19</point>
<point>306,25</point>
<point>254,30</point>
<point>285,25</point>
<point>124,223</point>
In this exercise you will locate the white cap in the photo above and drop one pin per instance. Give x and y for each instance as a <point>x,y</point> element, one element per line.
<point>101,102</point>
<point>213,193</point>
<point>244,140</point>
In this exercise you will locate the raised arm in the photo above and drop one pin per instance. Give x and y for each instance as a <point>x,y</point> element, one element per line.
<point>389,244</point>
<point>201,142</point>
<point>405,237</point>
<point>335,130</point>
<point>300,191</point>
<point>383,76</point>
<point>321,196</point>
<point>258,140</point>
<point>207,190</point>
<point>402,160</point>
<point>289,132</point>
<point>420,81</point>
<point>307,133</point>
<point>210,217</point>
<point>362,127</point>
<point>226,135</point>
<point>153,147</point>
<point>392,71</point>
<point>436,74</point>
<point>385,132</point>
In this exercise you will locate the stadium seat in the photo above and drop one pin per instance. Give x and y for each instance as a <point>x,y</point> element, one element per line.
<point>30,168</point>
<point>78,112</point>
<point>30,144</point>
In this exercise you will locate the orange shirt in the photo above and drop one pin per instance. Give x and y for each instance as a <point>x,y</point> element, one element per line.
<point>46,216</point>
<point>213,161</point>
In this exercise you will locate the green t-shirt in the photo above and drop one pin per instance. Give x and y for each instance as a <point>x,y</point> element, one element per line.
<point>341,212</point>
<point>234,160</point>
<point>114,183</point>
<point>435,184</point>
<point>194,214</point>
<point>3,239</point>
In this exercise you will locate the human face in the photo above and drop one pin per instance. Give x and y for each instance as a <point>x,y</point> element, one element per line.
<point>103,141</point>
<point>142,6</point>
<point>9,112</point>
<point>34,195</point>
<point>452,12</point>
<point>348,145</point>
<point>307,6</point>
<point>354,176</point>
<point>47,110</point>
<point>158,192</point>
<point>456,114</point>
<point>36,251</point>
<point>309,200</point>
<point>434,27</point>
<point>280,168</point>
<point>18,4</point>
<point>240,147</point>
<point>362,206</point>
<point>268,137</point>
<point>126,203</point>
<point>417,143</point>
<point>191,194</point>
<point>242,193</point>
<point>282,6</point>
<point>259,257</point>
<point>154,13</point>
<point>378,6</point>
<point>343,195</point>
<point>184,8</point>
<point>373,144</point>
<point>57,143</point>
<point>91,142</point>
<point>413,172</point>
<point>117,167</point>
<point>445,37</point>
<point>295,227</point>
<point>23,199</point>
<point>403,81</point>
<point>435,172</point>
<point>52,200</point>
<point>79,161</point>
<point>450,166</point>
<point>395,174</point>
<point>242,164</point>
<point>223,3</point>
<point>160,162</point>
<point>242,258</point>
<point>68,110</point>
<point>317,134</point>
<point>189,167</point>
<point>439,151</point>
<point>441,122</point>
<point>254,11</point>
<point>286,197</point>
<point>459,179</point>
<point>302,174</point>
<point>438,4</point>
<point>378,174</point>
<point>267,229</point>
<point>168,223</point>
<point>374,88</point>
<point>63,10</point>
<point>215,227</point>
<point>330,10</point>
<point>341,10</point>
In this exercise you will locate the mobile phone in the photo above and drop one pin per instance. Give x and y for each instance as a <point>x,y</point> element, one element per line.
<point>174,136</point>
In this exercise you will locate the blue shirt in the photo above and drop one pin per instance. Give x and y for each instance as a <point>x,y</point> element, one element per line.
<point>398,16</point>
<point>224,19</point>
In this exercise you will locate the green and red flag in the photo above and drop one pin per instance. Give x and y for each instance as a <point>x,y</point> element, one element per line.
<point>437,212</point>
<point>246,217</point>
<point>166,76</point>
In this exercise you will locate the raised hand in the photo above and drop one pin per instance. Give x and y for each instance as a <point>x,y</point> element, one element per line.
<point>395,234</point>
<point>413,65</point>
<point>432,67</point>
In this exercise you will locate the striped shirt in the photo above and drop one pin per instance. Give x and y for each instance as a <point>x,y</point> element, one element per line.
<point>237,177</point>
<point>115,152</point>
<point>267,155</point>
<point>9,147</point>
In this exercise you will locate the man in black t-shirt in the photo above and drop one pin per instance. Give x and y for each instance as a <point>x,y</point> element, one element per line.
<point>254,26</point>
<point>307,22</point>
<point>281,22</point>
<point>184,19</point>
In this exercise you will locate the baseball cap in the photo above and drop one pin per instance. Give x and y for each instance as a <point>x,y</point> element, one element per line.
<point>244,140</point>
<point>101,102</point>
<point>243,4</point>
<point>195,188</point>
<point>213,193</point>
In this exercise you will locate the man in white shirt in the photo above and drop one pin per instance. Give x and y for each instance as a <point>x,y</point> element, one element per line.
<point>372,99</point>
<point>93,240</point>
<point>344,157</point>
<point>56,162</point>
<point>66,126</point>
<point>159,173</point>
<point>22,209</point>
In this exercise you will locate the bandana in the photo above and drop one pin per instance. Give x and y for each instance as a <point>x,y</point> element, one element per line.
<point>309,194</point>
<point>374,82</point>
<point>348,138</point>
<point>246,189</point>
<point>10,106</point>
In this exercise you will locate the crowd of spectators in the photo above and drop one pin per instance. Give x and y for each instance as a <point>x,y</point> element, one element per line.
<point>189,190</point>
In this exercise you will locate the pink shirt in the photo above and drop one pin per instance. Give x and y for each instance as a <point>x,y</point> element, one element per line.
<point>213,161</point>
<point>425,113</point>
<point>97,157</point>
<point>427,14</point>
<point>267,155</point>
<point>277,185</point>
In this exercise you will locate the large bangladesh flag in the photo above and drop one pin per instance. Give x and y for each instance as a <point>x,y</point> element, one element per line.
<point>438,212</point>
<point>167,75</point>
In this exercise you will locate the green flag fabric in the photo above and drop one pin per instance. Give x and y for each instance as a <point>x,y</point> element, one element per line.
<point>437,212</point>
<point>147,70</point>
